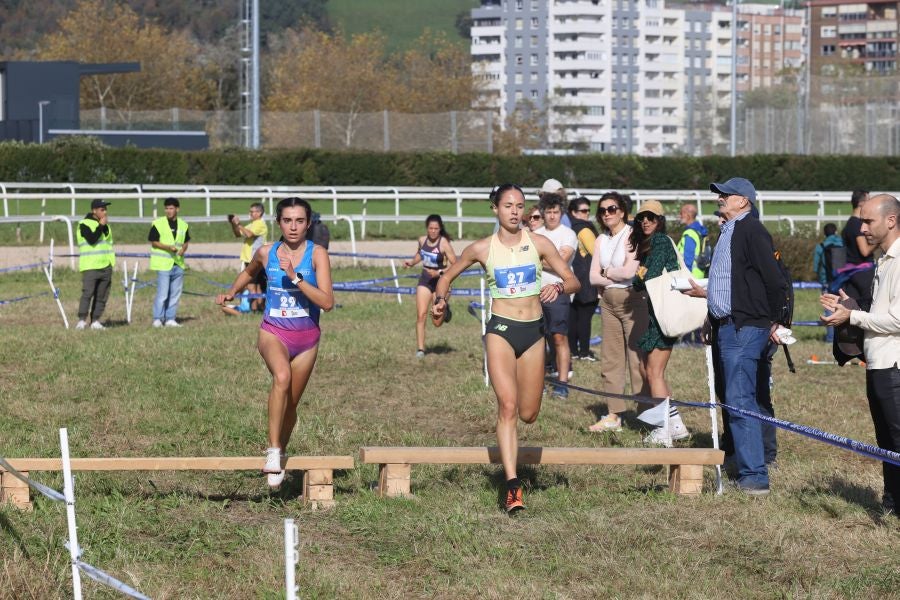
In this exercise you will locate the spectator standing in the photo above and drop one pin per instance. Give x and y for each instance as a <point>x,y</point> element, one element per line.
<point>556,311</point>
<point>692,239</point>
<point>551,188</point>
<point>746,297</point>
<point>535,218</point>
<point>856,275</point>
<point>824,263</point>
<point>169,238</point>
<point>96,258</point>
<point>623,311</point>
<point>254,236</point>
<point>584,303</point>
<point>880,219</point>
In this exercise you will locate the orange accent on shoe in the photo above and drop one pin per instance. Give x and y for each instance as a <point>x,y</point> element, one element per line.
<point>514,500</point>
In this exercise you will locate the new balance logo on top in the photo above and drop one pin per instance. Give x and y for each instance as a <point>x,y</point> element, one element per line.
<point>523,249</point>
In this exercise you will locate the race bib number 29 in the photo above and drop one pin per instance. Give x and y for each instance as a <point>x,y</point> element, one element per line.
<point>288,308</point>
<point>516,280</point>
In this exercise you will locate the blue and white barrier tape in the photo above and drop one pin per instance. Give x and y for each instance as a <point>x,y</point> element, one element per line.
<point>108,580</point>
<point>23,267</point>
<point>40,487</point>
<point>811,432</point>
<point>338,287</point>
<point>21,298</point>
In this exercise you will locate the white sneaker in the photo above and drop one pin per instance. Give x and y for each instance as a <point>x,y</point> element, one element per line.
<point>677,431</point>
<point>273,461</point>
<point>157,323</point>
<point>274,479</point>
<point>80,325</point>
<point>97,325</point>
<point>172,323</point>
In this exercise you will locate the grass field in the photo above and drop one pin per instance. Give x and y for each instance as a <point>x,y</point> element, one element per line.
<point>588,532</point>
<point>401,20</point>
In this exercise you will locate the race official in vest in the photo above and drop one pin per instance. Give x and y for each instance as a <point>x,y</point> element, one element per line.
<point>95,261</point>
<point>168,239</point>
<point>690,244</point>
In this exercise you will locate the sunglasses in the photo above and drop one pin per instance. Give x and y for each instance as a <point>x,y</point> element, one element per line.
<point>581,210</point>
<point>535,217</point>
<point>610,210</point>
<point>645,216</point>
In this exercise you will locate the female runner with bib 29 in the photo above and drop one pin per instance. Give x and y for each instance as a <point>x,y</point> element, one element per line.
<point>299,288</point>
<point>513,260</point>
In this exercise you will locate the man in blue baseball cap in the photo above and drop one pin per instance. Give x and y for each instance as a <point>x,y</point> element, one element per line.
<point>746,296</point>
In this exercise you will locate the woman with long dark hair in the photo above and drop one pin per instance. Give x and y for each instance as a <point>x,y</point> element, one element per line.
<point>623,310</point>
<point>655,251</point>
<point>584,303</point>
<point>436,254</point>
<point>298,273</point>
<point>512,259</point>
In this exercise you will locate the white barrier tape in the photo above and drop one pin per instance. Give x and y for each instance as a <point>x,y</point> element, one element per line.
<point>47,491</point>
<point>110,581</point>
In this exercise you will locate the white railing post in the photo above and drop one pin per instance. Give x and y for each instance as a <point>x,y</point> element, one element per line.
<point>73,212</point>
<point>396,206</point>
<point>140,196</point>
<point>362,225</point>
<point>5,200</point>
<point>352,234</point>
<point>699,205</point>
<point>208,202</point>
<point>760,207</point>
<point>43,214</point>
<point>270,196</point>
<point>334,205</point>
<point>459,215</point>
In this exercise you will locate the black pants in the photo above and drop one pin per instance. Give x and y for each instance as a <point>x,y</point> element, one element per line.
<point>95,284</point>
<point>580,315</point>
<point>883,392</point>
<point>763,399</point>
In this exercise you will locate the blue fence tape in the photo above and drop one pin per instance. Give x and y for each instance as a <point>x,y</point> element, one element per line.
<point>21,298</point>
<point>839,441</point>
<point>23,267</point>
<point>108,580</point>
<point>40,487</point>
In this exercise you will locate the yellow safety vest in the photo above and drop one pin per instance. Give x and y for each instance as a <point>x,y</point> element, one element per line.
<point>98,256</point>
<point>695,270</point>
<point>163,260</point>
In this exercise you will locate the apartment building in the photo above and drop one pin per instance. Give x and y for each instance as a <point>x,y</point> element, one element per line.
<point>861,36</point>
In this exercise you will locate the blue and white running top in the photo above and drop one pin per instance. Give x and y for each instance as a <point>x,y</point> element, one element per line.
<point>286,306</point>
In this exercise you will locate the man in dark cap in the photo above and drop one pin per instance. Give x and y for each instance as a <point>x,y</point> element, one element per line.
<point>96,258</point>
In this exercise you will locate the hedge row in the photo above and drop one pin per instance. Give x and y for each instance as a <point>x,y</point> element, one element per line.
<point>89,161</point>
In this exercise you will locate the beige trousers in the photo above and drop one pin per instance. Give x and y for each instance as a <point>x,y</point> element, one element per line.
<point>623,316</point>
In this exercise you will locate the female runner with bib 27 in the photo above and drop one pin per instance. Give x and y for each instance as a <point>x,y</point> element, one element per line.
<point>513,260</point>
<point>298,273</point>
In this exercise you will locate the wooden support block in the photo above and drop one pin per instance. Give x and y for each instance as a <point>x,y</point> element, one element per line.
<point>13,489</point>
<point>318,488</point>
<point>393,480</point>
<point>686,480</point>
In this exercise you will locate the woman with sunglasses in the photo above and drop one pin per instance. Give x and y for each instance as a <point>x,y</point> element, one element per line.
<point>512,259</point>
<point>535,218</point>
<point>435,253</point>
<point>656,251</point>
<point>623,311</point>
<point>584,303</point>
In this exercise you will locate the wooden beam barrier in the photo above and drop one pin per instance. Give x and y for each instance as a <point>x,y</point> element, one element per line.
<point>318,491</point>
<point>685,464</point>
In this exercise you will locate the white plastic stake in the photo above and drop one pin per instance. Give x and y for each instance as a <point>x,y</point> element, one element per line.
<point>711,378</point>
<point>56,296</point>
<point>125,288</point>
<point>69,492</point>
<point>291,558</point>
<point>396,281</point>
<point>131,293</point>
<point>51,257</point>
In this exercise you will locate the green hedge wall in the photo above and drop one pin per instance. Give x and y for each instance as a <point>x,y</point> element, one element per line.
<point>88,161</point>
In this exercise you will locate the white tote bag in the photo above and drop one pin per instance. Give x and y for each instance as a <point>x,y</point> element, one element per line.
<point>676,313</point>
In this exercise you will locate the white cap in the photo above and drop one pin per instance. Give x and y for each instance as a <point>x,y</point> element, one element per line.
<point>551,186</point>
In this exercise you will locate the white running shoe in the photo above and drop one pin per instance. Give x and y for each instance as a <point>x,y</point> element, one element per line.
<point>172,323</point>
<point>157,323</point>
<point>80,325</point>
<point>274,479</point>
<point>97,325</point>
<point>677,431</point>
<point>273,461</point>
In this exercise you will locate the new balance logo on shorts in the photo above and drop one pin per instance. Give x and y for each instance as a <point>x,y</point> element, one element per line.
<point>500,327</point>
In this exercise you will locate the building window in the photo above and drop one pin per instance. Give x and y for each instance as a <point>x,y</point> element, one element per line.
<point>534,77</point>
<point>595,111</point>
<point>829,12</point>
<point>518,41</point>
<point>669,129</point>
<point>519,78</point>
<point>518,59</point>
<point>828,31</point>
<point>534,93</point>
<point>519,4</point>
<point>535,23</point>
<point>519,24</point>
<point>534,60</point>
<point>534,41</point>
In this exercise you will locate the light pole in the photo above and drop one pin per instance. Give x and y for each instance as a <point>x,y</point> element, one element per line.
<point>41,106</point>
<point>734,46</point>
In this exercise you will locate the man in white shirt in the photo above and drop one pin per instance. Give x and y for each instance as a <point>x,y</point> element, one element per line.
<point>880,218</point>
<point>556,313</point>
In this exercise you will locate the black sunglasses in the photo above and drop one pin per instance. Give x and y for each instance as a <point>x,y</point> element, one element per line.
<point>645,216</point>
<point>610,210</point>
<point>582,210</point>
<point>535,217</point>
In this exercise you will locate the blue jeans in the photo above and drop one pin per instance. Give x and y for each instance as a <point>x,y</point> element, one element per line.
<point>741,352</point>
<point>168,292</point>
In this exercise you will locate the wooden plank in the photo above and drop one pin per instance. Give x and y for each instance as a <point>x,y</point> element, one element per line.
<point>319,477</point>
<point>394,480</point>
<point>545,456</point>
<point>14,490</point>
<point>202,463</point>
<point>686,480</point>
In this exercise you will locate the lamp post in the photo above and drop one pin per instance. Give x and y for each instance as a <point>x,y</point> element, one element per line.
<point>41,106</point>
<point>734,46</point>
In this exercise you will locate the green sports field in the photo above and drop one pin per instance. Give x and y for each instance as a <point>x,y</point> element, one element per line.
<point>588,532</point>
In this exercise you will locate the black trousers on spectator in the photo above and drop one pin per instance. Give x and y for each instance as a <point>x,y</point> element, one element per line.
<point>580,315</point>
<point>883,392</point>
<point>95,285</point>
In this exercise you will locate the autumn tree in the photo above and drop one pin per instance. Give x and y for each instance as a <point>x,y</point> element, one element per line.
<point>100,31</point>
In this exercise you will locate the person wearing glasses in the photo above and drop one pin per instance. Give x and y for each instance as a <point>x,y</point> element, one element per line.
<point>535,218</point>
<point>623,311</point>
<point>512,259</point>
<point>584,303</point>
<point>655,251</point>
<point>435,253</point>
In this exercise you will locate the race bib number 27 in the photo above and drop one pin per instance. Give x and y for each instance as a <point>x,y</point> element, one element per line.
<point>516,280</point>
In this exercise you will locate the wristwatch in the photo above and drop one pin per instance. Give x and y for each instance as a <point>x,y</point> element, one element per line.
<point>298,279</point>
